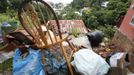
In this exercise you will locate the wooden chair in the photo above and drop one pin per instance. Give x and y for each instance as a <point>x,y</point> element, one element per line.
<point>35,16</point>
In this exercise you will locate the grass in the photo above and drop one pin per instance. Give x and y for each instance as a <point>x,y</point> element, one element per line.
<point>6,65</point>
<point>74,31</point>
<point>1,44</point>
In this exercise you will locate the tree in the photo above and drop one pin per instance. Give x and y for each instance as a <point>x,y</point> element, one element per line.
<point>70,13</point>
<point>3,5</point>
<point>117,8</point>
<point>9,4</point>
<point>15,4</point>
<point>79,4</point>
<point>59,5</point>
<point>90,19</point>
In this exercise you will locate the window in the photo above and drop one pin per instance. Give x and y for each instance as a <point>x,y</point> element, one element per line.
<point>132,6</point>
<point>132,21</point>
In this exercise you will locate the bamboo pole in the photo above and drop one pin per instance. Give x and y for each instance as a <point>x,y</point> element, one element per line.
<point>66,58</point>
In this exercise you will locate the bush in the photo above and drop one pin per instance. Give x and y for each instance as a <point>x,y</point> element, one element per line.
<point>108,31</point>
<point>6,65</point>
<point>4,18</point>
<point>13,21</point>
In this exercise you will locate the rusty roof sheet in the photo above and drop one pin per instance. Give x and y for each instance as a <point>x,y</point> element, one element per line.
<point>67,25</point>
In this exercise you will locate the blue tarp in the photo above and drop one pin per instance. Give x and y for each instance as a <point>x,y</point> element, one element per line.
<point>30,65</point>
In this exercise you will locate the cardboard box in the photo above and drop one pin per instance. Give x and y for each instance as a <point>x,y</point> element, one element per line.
<point>119,68</point>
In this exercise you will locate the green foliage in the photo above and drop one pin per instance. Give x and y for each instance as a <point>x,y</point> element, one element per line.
<point>11,13</point>
<point>74,31</point>
<point>8,18</point>
<point>79,4</point>
<point>69,13</point>
<point>8,13</point>
<point>97,16</point>
<point>90,22</point>
<point>6,65</point>
<point>115,9</point>
<point>108,31</point>
<point>3,18</point>
<point>9,4</point>
<point>15,4</point>
<point>105,16</point>
<point>3,5</point>
<point>1,45</point>
<point>12,21</point>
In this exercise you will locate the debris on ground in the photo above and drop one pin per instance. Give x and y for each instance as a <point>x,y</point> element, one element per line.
<point>5,56</point>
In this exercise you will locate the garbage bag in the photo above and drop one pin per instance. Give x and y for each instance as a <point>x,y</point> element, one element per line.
<point>55,66</point>
<point>87,62</point>
<point>95,38</point>
<point>30,65</point>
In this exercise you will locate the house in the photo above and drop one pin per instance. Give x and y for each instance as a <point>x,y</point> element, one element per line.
<point>127,25</point>
<point>124,36</point>
<point>66,26</point>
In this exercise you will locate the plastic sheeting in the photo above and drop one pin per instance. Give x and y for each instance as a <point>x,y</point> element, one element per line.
<point>88,62</point>
<point>55,65</point>
<point>30,65</point>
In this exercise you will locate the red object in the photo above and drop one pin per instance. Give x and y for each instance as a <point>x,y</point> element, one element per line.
<point>127,28</point>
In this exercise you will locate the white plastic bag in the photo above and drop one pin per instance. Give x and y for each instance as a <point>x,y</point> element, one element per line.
<point>88,62</point>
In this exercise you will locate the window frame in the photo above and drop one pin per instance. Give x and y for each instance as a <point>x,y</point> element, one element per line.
<point>132,23</point>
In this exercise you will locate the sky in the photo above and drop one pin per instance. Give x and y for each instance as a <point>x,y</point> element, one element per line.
<point>62,1</point>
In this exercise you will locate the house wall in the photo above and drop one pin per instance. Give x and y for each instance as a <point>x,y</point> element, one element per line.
<point>126,28</point>
<point>122,42</point>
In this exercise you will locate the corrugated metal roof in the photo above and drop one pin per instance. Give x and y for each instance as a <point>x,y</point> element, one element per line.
<point>67,25</point>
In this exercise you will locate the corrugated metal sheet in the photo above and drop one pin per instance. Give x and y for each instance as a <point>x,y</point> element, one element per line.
<point>67,25</point>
